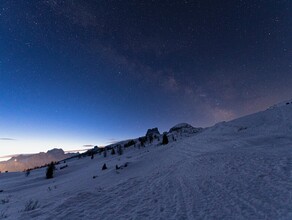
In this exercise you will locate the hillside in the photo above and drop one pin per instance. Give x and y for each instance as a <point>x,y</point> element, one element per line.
<point>240,169</point>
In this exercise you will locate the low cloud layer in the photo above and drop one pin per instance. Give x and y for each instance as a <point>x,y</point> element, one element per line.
<point>7,139</point>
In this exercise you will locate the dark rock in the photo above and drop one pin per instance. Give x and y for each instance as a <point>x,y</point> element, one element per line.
<point>152,132</point>
<point>184,128</point>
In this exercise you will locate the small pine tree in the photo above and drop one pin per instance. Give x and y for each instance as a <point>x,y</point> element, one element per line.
<point>142,141</point>
<point>27,172</point>
<point>164,139</point>
<point>113,151</point>
<point>105,152</point>
<point>120,150</point>
<point>104,167</point>
<point>50,170</point>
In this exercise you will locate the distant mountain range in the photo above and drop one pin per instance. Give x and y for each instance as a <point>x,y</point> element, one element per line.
<point>28,161</point>
<point>23,162</point>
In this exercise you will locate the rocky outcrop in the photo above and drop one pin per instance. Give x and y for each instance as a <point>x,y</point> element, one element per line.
<point>184,128</point>
<point>153,132</point>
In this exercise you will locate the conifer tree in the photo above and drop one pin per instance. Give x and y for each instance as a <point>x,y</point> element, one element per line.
<point>164,139</point>
<point>104,167</point>
<point>50,170</point>
<point>120,150</point>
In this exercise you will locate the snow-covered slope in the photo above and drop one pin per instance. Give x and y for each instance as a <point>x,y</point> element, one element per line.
<point>240,169</point>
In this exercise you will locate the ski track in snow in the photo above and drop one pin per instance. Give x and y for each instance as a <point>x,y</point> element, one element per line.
<point>219,174</point>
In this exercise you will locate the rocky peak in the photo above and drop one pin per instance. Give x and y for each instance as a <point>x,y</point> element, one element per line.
<point>153,131</point>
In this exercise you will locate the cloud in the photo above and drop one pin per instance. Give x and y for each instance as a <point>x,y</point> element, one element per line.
<point>75,151</point>
<point>112,141</point>
<point>88,145</point>
<point>12,155</point>
<point>7,139</point>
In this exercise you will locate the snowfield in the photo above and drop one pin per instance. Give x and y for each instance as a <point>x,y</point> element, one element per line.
<point>240,169</point>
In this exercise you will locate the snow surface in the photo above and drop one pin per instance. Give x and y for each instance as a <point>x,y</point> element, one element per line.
<point>234,170</point>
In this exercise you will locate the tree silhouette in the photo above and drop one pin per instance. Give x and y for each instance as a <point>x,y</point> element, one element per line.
<point>104,167</point>
<point>50,170</point>
<point>164,139</point>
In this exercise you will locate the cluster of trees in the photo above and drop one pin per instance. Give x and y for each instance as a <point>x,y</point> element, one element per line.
<point>116,149</point>
<point>129,144</point>
<point>142,140</point>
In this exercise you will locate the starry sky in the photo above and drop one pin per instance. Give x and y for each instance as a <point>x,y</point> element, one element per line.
<point>90,72</point>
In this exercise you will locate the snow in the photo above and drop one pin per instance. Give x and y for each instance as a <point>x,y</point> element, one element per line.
<point>240,169</point>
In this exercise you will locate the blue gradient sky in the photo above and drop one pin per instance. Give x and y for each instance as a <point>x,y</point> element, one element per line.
<point>76,73</point>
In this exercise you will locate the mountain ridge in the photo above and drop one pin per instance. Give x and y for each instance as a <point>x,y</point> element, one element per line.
<point>28,161</point>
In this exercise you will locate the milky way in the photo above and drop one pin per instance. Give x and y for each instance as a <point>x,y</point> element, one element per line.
<point>76,73</point>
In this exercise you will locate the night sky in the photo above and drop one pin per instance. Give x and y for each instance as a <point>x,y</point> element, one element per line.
<point>85,72</point>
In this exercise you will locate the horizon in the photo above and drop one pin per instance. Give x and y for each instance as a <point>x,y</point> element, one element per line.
<point>8,157</point>
<point>81,73</point>
<point>85,147</point>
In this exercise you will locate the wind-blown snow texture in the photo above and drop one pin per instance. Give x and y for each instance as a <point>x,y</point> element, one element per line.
<point>234,170</point>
